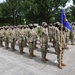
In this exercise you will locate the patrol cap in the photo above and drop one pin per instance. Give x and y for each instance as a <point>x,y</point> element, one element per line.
<point>50,24</point>
<point>24,26</point>
<point>35,24</point>
<point>44,24</point>
<point>57,24</point>
<point>30,24</point>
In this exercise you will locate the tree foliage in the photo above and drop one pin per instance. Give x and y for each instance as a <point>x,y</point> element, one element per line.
<point>33,11</point>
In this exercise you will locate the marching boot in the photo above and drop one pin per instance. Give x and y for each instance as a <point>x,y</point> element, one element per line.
<point>60,66</point>
<point>34,55</point>
<point>63,64</point>
<point>21,52</point>
<point>55,53</point>
<point>30,56</point>
<point>12,47</point>
<point>66,47</point>
<point>44,60</point>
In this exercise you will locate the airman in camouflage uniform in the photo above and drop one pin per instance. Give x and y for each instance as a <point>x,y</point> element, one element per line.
<point>1,38</point>
<point>12,38</point>
<point>35,29</point>
<point>59,46</point>
<point>31,40</point>
<point>66,37</point>
<point>6,39</point>
<point>21,40</point>
<point>54,32</point>
<point>44,41</point>
<point>73,34</point>
<point>50,32</point>
<point>24,30</point>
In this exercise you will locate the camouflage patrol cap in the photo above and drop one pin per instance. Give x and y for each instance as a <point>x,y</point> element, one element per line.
<point>74,23</point>
<point>30,24</point>
<point>35,24</point>
<point>24,26</point>
<point>57,24</point>
<point>50,24</point>
<point>11,27</point>
<point>44,24</point>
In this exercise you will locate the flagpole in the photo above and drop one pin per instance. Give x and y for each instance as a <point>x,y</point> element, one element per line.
<point>61,41</point>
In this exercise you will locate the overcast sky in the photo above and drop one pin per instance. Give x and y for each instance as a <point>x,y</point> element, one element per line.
<point>68,4</point>
<point>1,1</point>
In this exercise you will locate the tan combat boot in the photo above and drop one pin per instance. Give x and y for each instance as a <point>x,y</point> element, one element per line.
<point>44,60</point>
<point>30,56</point>
<point>60,66</point>
<point>63,64</point>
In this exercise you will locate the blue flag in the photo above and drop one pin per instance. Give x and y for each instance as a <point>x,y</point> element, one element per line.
<point>64,20</point>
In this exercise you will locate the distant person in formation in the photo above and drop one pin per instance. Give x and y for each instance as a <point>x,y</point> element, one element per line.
<point>31,40</point>
<point>44,41</point>
<point>1,38</point>
<point>12,37</point>
<point>59,47</point>
<point>66,35</point>
<point>73,34</point>
<point>24,30</point>
<point>21,40</point>
<point>35,29</point>
<point>6,35</point>
<point>50,32</point>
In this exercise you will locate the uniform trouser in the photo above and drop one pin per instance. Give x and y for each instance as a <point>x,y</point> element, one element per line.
<point>59,55</point>
<point>53,42</point>
<point>35,44</point>
<point>72,39</point>
<point>21,46</point>
<point>1,42</point>
<point>6,43</point>
<point>50,37</point>
<point>13,45</point>
<point>66,40</point>
<point>25,41</point>
<point>31,48</point>
<point>44,51</point>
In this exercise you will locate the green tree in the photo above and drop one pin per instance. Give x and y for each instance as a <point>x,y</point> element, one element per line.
<point>32,10</point>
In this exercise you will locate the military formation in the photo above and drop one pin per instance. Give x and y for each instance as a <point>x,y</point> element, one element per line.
<point>27,36</point>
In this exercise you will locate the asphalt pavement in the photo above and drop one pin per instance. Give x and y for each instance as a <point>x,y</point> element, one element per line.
<point>12,63</point>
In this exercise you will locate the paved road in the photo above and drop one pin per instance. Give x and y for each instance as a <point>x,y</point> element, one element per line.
<point>12,63</point>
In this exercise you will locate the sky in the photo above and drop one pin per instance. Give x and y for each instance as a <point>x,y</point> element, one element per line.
<point>69,4</point>
<point>1,1</point>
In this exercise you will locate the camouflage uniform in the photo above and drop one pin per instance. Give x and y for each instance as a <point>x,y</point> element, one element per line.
<point>58,48</point>
<point>31,40</point>
<point>35,29</point>
<point>12,38</point>
<point>54,37</point>
<point>24,30</point>
<point>21,41</point>
<point>6,39</point>
<point>1,38</point>
<point>66,37</point>
<point>50,32</point>
<point>73,34</point>
<point>44,42</point>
